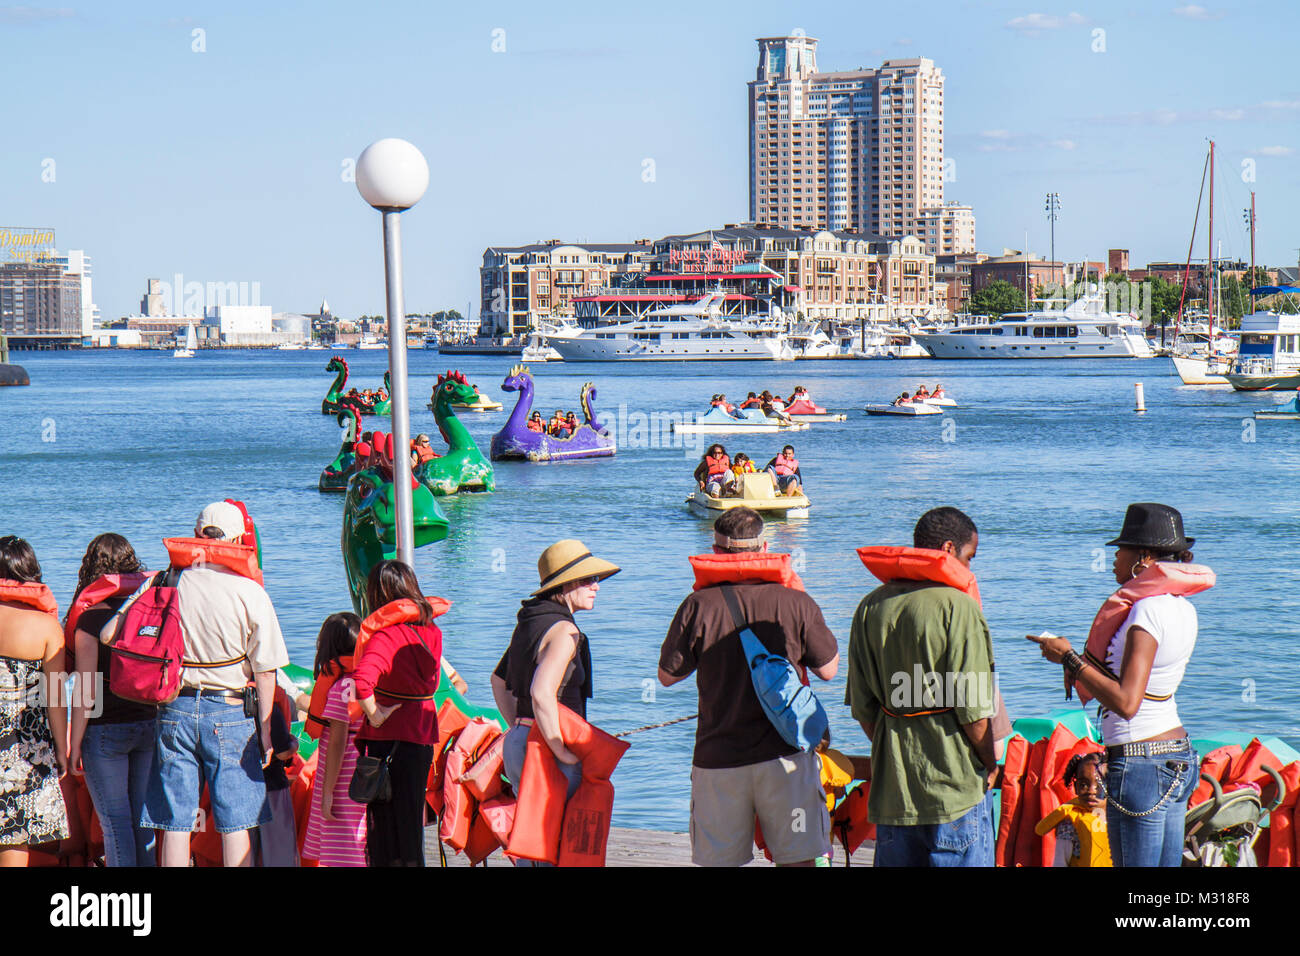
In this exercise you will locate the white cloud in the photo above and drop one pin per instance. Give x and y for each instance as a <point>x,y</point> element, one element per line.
<point>1192,11</point>
<point>995,133</point>
<point>1227,114</point>
<point>1032,24</point>
<point>1275,151</point>
<point>25,15</point>
<point>1063,143</point>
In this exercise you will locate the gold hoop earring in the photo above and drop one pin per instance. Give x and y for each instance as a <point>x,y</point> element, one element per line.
<point>1138,568</point>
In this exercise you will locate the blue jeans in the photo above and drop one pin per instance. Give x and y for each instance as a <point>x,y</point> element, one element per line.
<point>1147,804</point>
<point>206,740</point>
<point>512,757</point>
<point>966,841</point>
<point>118,759</point>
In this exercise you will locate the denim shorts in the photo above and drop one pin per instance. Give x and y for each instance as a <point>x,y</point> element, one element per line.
<point>206,740</point>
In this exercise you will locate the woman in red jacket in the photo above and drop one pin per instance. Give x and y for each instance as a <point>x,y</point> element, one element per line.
<point>395,680</point>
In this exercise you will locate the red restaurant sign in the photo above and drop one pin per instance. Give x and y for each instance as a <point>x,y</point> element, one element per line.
<point>706,260</point>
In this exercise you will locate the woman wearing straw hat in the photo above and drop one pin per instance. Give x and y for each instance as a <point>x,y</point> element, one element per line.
<point>1133,662</point>
<point>548,661</point>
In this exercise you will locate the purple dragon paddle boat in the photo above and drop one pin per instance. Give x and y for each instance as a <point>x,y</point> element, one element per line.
<point>516,442</point>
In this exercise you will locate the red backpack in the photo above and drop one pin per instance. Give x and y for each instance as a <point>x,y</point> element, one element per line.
<point>147,654</point>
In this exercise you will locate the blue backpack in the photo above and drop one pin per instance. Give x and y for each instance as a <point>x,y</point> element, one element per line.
<point>790,705</point>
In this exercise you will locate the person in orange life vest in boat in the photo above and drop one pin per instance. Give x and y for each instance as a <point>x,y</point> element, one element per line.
<point>231,627</point>
<point>785,472</point>
<point>938,391</point>
<point>548,662</point>
<point>1133,663</point>
<point>922,393</point>
<point>535,423</point>
<point>742,768</point>
<point>903,399</point>
<point>743,465</point>
<point>713,474</point>
<point>751,401</point>
<point>421,450</point>
<point>34,748</point>
<point>571,422</point>
<point>800,394</point>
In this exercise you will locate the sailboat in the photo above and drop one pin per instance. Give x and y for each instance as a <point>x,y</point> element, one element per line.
<point>191,343</point>
<point>1200,354</point>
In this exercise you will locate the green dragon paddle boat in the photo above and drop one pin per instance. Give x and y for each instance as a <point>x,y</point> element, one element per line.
<point>336,398</point>
<point>370,520</point>
<point>463,467</point>
<point>334,477</point>
<point>385,406</point>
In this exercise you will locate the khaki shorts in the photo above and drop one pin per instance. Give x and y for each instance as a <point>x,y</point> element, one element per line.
<point>786,796</point>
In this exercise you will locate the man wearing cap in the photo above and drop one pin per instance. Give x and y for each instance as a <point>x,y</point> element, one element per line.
<point>742,768</point>
<point>232,637</point>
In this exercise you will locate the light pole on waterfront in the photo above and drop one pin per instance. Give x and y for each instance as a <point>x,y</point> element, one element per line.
<point>1053,208</point>
<point>392,176</point>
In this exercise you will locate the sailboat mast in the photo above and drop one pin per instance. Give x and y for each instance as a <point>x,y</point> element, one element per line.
<point>1209,298</point>
<point>1252,249</point>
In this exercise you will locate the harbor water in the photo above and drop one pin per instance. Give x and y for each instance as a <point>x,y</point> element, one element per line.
<point>1043,455</point>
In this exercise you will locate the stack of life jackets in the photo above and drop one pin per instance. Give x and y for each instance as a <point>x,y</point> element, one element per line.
<point>1234,767</point>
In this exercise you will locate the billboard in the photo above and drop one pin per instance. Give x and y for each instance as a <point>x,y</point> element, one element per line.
<point>25,243</point>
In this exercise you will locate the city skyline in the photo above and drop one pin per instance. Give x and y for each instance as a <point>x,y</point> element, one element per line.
<point>599,127</point>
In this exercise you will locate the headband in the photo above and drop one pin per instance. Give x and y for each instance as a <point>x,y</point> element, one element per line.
<point>744,544</point>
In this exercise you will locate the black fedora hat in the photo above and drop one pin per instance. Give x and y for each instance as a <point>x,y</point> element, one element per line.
<point>1154,527</point>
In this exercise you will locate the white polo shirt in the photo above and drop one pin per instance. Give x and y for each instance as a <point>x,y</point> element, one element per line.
<point>225,616</point>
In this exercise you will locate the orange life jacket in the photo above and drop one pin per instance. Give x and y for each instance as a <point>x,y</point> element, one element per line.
<point>546,827</point>
<point>315,722</point>
<point>401,611</point>
<point>1013,804</point>
<point>849,821</point>
<point>450,722</point>
<point>458,803</point>
<point>748,566</point>
<point>35,595</point>
<point>785,466</point>
<point>240,558</point>
<point>97,591</point>
<point>717,464</point>
<point>889,562</point>
<point>1161,577</point>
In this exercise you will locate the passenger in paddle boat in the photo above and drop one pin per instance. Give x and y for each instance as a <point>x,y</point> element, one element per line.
<point>903,399</point>
<point>751,401</point>
<point>535,423</point>
<point>421,450</point>
<point>938,391</point>
<point>743,465</point>
<point>921,394</point>
<point>548,661</point>
<point>1133,663</point>
<point>713,474</point>
<point>785,472</point>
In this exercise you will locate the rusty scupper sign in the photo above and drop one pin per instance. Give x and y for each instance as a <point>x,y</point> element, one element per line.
<point>24,244</point>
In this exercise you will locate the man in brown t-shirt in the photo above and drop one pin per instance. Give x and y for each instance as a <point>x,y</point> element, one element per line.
<point>742,767</point>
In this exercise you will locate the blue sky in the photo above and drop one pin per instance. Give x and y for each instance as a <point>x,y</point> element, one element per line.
<point>225,165</point>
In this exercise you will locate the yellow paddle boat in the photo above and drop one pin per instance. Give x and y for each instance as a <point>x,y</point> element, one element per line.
<point>757,491</point>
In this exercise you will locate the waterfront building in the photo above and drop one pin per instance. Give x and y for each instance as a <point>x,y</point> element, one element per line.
<point>524,286</point>
<point>856,151</point>
<point>953,272</point>
<point>814,275</point>
<point>1016,267</point>
<point>76,263</point>
<point>40,303</point>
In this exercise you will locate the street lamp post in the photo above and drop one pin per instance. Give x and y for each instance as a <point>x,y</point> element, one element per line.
<point>1053,209</point>
<point>392,176</point>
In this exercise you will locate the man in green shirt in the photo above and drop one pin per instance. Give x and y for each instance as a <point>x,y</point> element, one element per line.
<point>921,685</point>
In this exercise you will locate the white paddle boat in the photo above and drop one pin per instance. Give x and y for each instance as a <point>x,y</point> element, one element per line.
<point>757,491</point>
<point>752,420</point>
<point>910,409</point>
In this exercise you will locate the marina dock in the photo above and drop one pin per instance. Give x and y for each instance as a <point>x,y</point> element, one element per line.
<point>654,848</point>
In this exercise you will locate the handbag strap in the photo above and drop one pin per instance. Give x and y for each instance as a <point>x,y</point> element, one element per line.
<point>733,605</point>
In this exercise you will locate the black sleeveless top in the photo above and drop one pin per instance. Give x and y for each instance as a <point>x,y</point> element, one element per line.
<point>519,663</point>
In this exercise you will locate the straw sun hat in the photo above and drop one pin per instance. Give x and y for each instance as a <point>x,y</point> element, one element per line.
<point>569,560</point>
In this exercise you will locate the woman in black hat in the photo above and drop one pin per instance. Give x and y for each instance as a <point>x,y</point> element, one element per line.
<point>1137,651</point>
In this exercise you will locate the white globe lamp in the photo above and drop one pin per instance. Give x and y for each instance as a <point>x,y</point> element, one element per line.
<point>392,174</point>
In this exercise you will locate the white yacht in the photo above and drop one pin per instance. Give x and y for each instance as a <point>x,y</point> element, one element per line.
<point>1269,357</point>
<point>809,342</point>
<point>1081,330</point>
<point>695,332</point>
<point>539,348</point>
